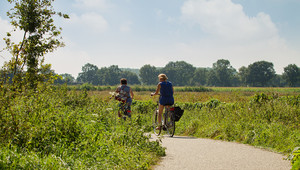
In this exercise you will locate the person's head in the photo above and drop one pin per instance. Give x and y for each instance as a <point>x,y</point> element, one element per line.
<point>123,81</point>
<point>162,77</point>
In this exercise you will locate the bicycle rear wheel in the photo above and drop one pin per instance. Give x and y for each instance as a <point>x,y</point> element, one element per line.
<point>155,123</point>
<point>170,123</point>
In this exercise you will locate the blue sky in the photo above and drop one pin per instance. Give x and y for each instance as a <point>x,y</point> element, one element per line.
<point>132,33</point>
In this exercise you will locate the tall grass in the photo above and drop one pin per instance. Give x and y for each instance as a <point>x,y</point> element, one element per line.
<point>267,121</point>
<point>58,129</point>
<point>61,128</point>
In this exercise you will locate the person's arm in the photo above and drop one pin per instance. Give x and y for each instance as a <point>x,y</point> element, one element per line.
<point>131,93</point>
<point>157,90</point>
<point>117,90</point>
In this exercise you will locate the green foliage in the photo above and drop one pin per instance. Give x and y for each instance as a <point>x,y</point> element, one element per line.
<point>34,18</point>
<point>65,79</point>
<point>87,86</point>
<point>260,73</point>
<point>292,75</point>
<point>105,76</point>
<point>295,158</point>
<point>148,74</point>
<point>54,128</point>
<point>224,73</point>
<point>268,121</point>
<point>88,74</point>
<point>192,89</point>
<point>143,88</point>
<point>200,77</point>
<point>179,73</point>
<point>144,106</point>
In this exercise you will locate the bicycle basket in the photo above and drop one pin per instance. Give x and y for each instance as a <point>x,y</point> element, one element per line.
<point>178,113</point>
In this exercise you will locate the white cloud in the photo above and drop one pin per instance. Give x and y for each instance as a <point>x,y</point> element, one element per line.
<point>126,26</point>
<point>158,12</point>
<point>68,60</point>
<point>4,27</point>
<point>227,20</point>
<point>89,22</point>
<point>92,4</point>
<point>16,37</point>
<point>233,35</point>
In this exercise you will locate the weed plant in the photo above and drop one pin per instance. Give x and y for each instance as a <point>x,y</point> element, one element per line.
<point>55,128</point>
<point>268,121</point>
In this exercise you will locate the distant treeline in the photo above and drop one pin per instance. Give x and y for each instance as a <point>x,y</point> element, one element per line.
<point>181,73</point>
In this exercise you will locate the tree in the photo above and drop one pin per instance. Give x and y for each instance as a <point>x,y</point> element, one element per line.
<point>200,76</point>
<point>148,75</point>
<point>131,77</point>
<point>179,73</point>
<point>278,81</point>
<point>88,74</point>
<point>260,73</point>
<point>243,73</point>
<point>40,36</point>
<point>292,75</point>
<point>109,75</point>
<point>65,78</point>
<point>224,73</point>
<point>212,79</point>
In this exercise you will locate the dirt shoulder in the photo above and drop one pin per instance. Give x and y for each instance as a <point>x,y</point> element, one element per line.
<point>193,153</point>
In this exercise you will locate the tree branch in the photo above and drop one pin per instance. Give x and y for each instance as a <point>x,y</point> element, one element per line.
<point>17,57</point>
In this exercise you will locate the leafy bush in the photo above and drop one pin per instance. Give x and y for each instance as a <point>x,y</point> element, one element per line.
<point>88,87</point>
<point>269,121</point>
<point>61,129</point>
<point>295,158</point>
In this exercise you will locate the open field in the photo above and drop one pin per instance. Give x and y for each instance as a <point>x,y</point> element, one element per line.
<point>58,128</point>
<point>224,94</point>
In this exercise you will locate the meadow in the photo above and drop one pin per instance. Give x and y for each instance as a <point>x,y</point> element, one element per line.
<point>268,118</point>
<point>54,128</point>
<point>60,127</point>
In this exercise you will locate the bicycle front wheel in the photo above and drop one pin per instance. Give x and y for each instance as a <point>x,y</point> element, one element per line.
<point>170,123</point>
<point>155,123</point>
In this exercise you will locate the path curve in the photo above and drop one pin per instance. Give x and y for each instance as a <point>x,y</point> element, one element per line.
<point>207,154</point>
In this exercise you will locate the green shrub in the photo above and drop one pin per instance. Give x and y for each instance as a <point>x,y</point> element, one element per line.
<point>61,129</point>
<point>268,121</point>
<point>295,158</point>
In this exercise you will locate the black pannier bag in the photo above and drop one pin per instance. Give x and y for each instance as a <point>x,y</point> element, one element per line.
<point>178,113</point>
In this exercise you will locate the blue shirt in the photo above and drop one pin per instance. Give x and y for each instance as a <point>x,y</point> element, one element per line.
<point>166,93</point>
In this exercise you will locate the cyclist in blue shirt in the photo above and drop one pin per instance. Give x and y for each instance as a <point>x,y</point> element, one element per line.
<point>166,90</point>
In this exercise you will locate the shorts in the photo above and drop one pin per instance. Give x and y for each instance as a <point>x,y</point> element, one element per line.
<point>166,100</point>
<point>127,105</point>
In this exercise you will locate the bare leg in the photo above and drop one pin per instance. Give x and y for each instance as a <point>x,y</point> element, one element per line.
<point>160,112</point>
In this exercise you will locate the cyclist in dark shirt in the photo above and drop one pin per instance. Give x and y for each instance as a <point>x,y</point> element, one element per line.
<point>126,96</point>
<point>166,90</point>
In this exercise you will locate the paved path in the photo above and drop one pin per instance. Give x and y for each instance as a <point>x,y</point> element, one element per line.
<point>206,154</point>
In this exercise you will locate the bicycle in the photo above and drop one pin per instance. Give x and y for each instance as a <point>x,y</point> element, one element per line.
<point>124,110</point>
<point>123,106</point>
<point>168,121</point>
